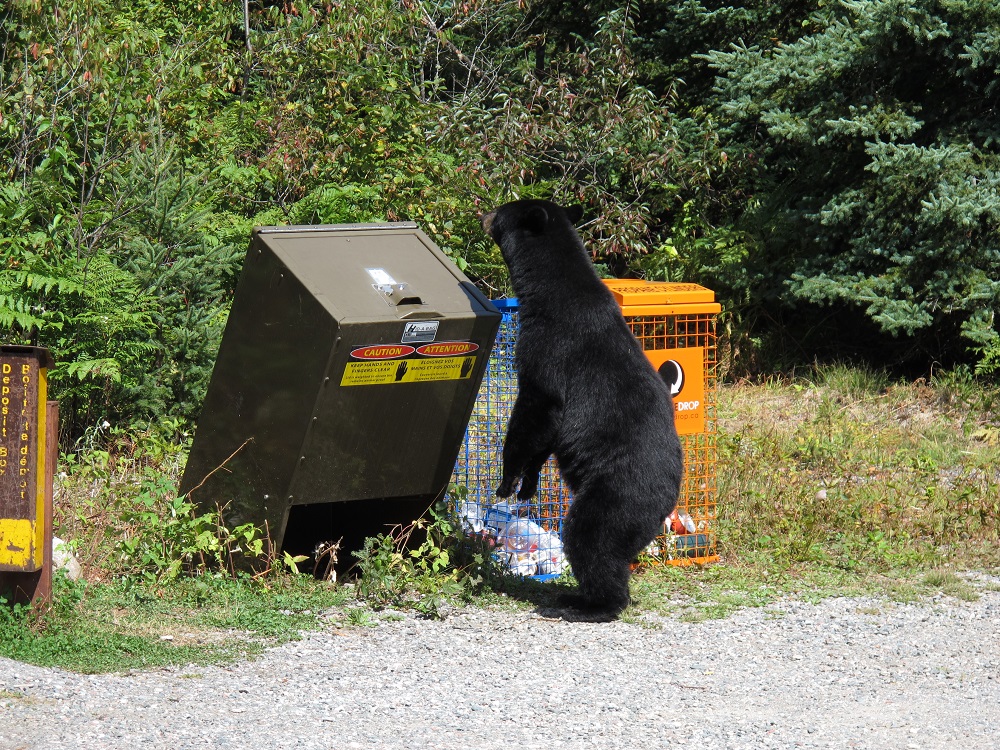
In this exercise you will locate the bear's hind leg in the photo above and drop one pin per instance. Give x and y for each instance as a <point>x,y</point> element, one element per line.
<point>603,587</point>
<point>600,561</point>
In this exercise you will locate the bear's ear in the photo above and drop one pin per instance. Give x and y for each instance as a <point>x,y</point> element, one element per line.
<point>536,219</point>
<point>574,213</point>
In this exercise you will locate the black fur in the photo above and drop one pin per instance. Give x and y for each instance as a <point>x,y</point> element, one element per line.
<point>588,395</point>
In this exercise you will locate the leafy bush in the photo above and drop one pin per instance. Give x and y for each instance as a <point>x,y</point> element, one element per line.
<point>444,565</point>
<point>166,537</point>
<point>579,126</point>
<point>120,510</point>
<point>104,256</point>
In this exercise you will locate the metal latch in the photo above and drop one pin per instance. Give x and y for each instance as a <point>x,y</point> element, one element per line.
<point>399,294</point>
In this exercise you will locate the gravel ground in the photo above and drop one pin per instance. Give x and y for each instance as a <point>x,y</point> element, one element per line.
<point>843,673</point>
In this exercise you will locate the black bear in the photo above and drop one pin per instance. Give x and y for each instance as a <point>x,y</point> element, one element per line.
<point>588,395</point>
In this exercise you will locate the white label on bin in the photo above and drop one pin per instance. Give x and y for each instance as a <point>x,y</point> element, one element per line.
<point>423,332</point>
<point>380,277</point>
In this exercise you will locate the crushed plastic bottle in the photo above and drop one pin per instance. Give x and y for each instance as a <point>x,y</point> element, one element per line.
<point>526,547</point>
<point>496,517</point>
<point>522,535</point>
<point>551,560</point>
<point>522,563</point>
<point>471,517</point>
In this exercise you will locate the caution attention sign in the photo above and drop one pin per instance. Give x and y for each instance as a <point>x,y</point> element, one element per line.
<point>385,364</point>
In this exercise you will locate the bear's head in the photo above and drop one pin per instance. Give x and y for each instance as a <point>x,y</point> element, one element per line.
<point>539,243</point>
<point>529,218</point>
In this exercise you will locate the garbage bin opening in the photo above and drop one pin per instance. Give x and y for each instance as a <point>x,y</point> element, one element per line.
<point>311,527</point>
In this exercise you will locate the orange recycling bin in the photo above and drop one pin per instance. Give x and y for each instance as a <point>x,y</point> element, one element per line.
<point>676,326</point>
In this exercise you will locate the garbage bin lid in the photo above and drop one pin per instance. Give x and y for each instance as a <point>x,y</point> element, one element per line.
<point>687,298</point>
<point>373,271</point>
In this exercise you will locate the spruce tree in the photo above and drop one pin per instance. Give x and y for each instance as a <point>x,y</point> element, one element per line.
<point>876,141</point>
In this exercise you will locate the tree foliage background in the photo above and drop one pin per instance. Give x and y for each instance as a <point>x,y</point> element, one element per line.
<point>829,168</point>
<point>876,139</point>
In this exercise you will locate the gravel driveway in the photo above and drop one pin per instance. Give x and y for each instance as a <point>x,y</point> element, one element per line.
<point>843,673</point>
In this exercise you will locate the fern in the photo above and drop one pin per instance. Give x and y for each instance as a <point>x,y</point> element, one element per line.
<point>95,369</point>
<point>16,311</point>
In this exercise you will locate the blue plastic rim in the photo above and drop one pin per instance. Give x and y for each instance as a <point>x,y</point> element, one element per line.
<point>508,304</point>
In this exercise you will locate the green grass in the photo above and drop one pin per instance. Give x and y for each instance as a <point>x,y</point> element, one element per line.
<point>950,584</point>
<point>851,473</point>
<point>131,624</point>
<point>716,591</point>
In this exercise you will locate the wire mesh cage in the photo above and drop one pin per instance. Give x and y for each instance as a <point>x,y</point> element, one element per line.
<point>676,326</point>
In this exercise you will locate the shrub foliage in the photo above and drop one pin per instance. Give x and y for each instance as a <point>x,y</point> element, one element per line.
<point>778,152</point>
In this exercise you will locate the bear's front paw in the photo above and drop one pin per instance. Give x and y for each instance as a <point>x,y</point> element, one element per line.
<point>529,485</point>
<point>506,488</point>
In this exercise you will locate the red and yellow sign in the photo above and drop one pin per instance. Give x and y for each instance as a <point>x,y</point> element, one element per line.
<point>383,364</point>
<point>447,348</point>
<point>382,351</point>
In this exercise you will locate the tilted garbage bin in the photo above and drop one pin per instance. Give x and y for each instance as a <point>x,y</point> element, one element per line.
<point>347,372</point>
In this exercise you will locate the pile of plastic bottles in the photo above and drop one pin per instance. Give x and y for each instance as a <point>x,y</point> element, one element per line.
<point>521,543</point>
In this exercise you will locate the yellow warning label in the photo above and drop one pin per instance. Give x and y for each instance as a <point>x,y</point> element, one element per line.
<point>380,372</point>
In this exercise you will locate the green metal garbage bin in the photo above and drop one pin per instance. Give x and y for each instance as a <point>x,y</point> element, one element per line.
<point>346,376</point>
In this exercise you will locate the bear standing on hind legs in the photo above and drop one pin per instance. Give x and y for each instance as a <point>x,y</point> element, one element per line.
<point>588,395</point>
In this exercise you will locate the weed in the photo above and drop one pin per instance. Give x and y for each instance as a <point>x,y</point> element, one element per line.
<point>360,618</point>
<point>871,611</point>
<point>121,510</point>
<point>444,566</point>
<point>851,382</point>
<point>166,537</point>
<point>950,584</point>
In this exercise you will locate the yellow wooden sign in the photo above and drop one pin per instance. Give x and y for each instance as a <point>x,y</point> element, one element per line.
<point>23,391</point>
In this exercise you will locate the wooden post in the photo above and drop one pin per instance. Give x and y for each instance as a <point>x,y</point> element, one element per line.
<point>28,448</point>
<point>43,591</point>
